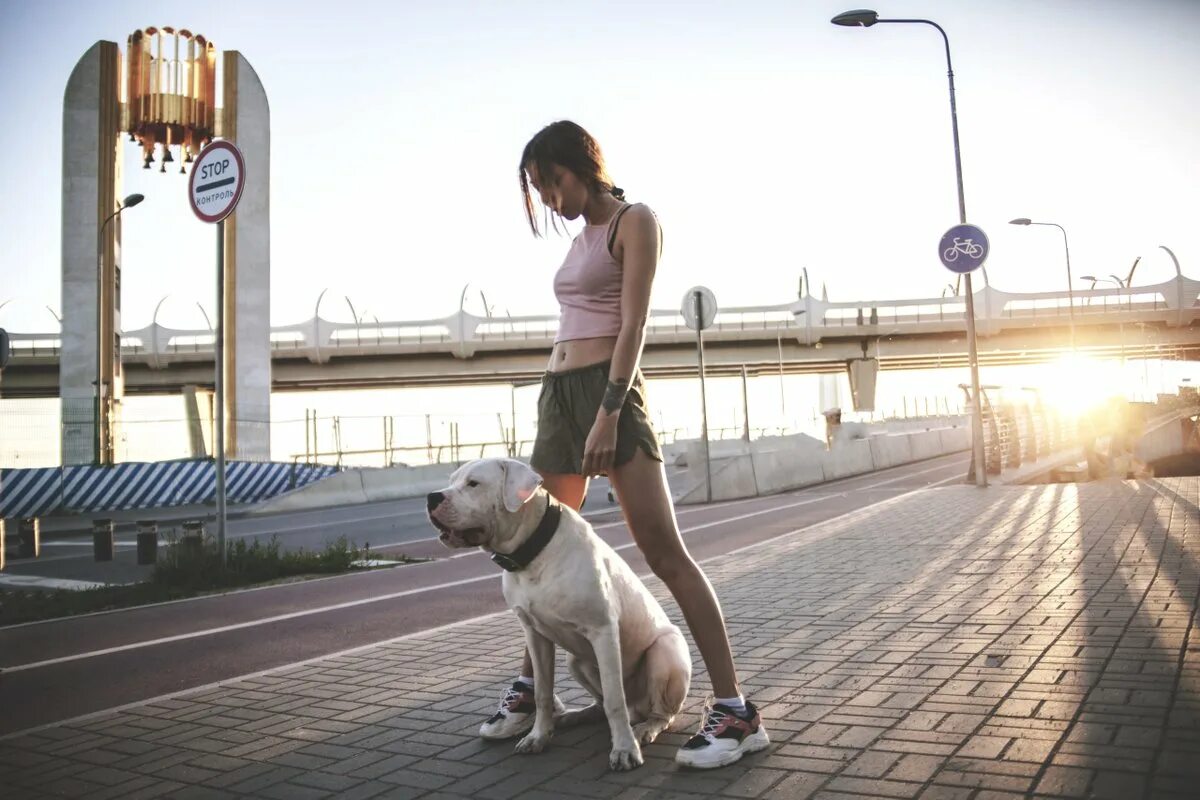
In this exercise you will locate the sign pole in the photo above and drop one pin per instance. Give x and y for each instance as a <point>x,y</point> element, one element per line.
<point>214,188</point>
<point>963,249</point>
<point>976,412</point>
<point>697,299</point>
<point>219,386</point>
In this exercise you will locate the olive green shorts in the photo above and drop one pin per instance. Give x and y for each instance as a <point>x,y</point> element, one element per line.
<point>567,409</point>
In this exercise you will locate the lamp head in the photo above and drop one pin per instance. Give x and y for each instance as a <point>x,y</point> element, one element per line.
<point>860,17</point>
<point>1091,278</point>
<point>132,200</point>
<point>1020,221</point>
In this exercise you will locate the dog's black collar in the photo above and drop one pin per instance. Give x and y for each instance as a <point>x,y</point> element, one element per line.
<point>524,555</point>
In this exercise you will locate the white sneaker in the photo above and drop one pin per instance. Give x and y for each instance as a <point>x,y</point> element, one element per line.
<point>724,737</point>
<point>515,715</point>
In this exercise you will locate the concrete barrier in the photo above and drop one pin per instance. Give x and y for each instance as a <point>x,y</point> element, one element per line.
<point>345,488</point>
<point>784,463</point>
<point>782,470</point>
<point>396,483</point>
<point>365,485</point>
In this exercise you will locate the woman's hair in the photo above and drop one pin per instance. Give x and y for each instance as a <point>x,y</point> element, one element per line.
<point>568,145</point>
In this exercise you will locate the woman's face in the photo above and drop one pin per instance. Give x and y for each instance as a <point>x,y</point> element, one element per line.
<point>561,190</point>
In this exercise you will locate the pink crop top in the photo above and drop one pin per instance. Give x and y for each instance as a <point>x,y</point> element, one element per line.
<point>588,285</point>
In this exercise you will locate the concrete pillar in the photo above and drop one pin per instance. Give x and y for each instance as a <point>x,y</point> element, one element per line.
<point>90,183</point>
<point>246,121</point>
<point>198,411</point>
<point>862,372</point>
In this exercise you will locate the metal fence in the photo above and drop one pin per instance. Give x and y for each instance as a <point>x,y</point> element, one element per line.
<point>47,433</point>
<point>1019,428</point>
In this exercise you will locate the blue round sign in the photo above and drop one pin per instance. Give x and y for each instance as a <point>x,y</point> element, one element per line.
<point>963,248</point>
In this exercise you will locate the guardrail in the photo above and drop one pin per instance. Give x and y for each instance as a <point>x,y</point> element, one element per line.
<point>1019,428</point>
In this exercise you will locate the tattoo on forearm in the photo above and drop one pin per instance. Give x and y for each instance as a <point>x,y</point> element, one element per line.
<point>614,395</point>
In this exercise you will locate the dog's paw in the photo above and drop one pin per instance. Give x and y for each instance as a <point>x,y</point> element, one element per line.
<point>623,759</point>
<point>646,732</point>
<point>533,743</point>
<point>579,716</point>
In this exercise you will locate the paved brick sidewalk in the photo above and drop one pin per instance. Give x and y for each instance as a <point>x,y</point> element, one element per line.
<point>950,643</point>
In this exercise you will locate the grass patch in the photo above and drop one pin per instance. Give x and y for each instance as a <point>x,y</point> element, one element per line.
<point>183,572</point>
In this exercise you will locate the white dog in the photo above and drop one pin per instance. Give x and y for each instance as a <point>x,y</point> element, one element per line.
<point>569,588</point>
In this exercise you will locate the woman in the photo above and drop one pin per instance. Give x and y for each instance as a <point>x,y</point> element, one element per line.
<point>592,418</point>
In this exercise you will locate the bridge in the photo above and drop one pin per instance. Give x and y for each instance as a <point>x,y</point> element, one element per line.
<point>807,335</point>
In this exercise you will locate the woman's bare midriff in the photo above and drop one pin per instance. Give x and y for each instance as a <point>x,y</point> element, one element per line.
<point>578,353</point>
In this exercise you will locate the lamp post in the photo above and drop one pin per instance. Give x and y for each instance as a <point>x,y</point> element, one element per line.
<point>1067,249</point>
<point>1120,320</point>
<point>103,442</point>
<point>865,18</point>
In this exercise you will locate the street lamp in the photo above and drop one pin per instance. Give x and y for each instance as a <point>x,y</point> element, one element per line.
<point>1067,249</point>
<point>103,443</point>
<point>1120,320</point>
<point>865,18</point>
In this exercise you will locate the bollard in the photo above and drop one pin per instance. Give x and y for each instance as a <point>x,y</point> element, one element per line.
<point>2,546</point>
<point>192,541</point>
<point>147,542</point>
<point>29,537</point>
<point>102,539</point>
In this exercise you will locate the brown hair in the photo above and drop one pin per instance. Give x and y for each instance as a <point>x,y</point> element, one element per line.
<point>568,145</point>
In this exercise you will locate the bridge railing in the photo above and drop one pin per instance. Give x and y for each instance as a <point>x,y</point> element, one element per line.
<point>808,320</point>
<point>1020,428</point>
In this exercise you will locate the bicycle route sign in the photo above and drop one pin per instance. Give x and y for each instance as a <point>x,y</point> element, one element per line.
<point>963,248</point>
<point>216,182</point>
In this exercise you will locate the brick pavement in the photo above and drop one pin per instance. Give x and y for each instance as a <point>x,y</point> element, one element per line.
<point>951,643</point>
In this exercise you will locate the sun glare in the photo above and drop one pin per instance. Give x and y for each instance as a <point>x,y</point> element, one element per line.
<point>1077,384</point>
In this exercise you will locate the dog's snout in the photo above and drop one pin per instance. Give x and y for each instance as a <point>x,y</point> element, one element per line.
<point>434,499</point>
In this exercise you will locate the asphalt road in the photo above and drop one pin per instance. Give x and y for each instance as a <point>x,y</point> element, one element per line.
<point>59,669</point>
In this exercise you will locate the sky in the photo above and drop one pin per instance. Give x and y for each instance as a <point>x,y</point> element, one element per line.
<point>766,139</point>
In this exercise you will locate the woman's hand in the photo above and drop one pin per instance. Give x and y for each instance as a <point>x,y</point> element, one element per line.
<point>600,451</point>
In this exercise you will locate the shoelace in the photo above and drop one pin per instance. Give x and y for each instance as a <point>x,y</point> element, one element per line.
<point>510,694</point>
<point>712,721</point>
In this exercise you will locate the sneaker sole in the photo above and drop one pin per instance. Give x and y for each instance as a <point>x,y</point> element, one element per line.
<point>525,728</point>
<point>751,744</point>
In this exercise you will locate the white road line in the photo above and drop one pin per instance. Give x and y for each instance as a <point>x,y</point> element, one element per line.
<point>810,529</point>
<point>394,595</point>
<point>240,625</point>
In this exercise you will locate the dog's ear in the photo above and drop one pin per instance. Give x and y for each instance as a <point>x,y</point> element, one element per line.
<point>520,482</point>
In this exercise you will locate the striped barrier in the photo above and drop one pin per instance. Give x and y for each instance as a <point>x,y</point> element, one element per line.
<point>85,489</point>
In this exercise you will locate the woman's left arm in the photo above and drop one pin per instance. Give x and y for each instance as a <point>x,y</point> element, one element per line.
<point>638,238</point>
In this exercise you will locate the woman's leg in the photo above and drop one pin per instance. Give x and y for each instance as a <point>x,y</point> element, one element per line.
<point>729,729</point>
<point>645,499</point>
